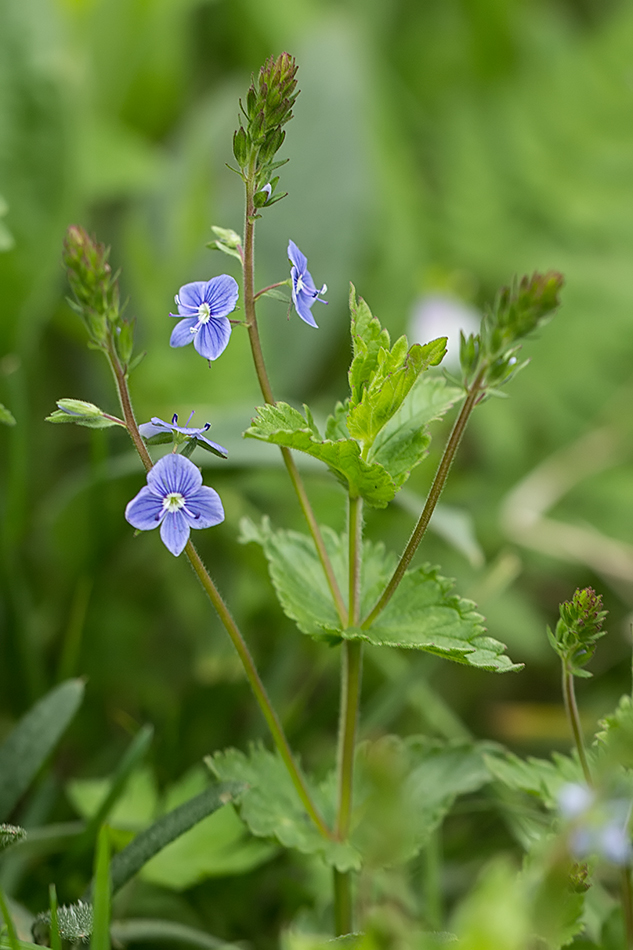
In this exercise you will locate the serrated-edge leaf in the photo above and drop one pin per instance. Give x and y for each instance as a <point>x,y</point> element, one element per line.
<point>368,338</point>
<point>283,425</point>
<point>389,385</point>
<point>30,743</point>
<point>424,615</point>
<point>271,808</point>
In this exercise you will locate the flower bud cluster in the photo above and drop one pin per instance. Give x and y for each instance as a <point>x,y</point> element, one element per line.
<point>269,103</point>
<point>518,310</point>
<point>578,630</point>
<point>96,293</point>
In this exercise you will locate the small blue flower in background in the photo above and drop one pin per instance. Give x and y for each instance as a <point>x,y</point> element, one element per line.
<point>597,827</point>
<point>157,431</point>
<point>175,499</point>
<point>304,292</point>
<point>204,306</point>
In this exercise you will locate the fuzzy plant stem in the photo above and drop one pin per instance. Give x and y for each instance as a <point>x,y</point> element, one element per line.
<point>351,678</point>
<point>472,398</point>
<point>267,393</point>
<point>573,717</point>
<point>257,686</point>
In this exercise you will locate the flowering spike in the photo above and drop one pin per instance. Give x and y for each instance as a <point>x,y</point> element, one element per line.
<point>578,630</point>
<point>269,103</point>
<point>95,288</point>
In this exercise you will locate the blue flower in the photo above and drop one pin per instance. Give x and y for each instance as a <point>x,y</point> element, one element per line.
<point>157,432</point>
<point>204,306</point>
<point>304,293</point>
<point>175,499</point>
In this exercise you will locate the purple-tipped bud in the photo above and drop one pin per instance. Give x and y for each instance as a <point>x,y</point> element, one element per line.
<point>578,630</point>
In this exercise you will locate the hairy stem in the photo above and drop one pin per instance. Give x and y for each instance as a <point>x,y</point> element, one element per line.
<point>472,398</point>
<point>257,686</point>
<point>267,393</point>
<point>573,717</point>
<point>351,677</point>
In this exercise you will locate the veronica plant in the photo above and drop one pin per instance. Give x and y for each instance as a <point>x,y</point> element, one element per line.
<point>337,588</point>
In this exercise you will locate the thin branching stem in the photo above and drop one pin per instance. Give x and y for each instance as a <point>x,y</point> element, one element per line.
<point>267,393</point>
<point>472,398</point>
<point>229,624</point>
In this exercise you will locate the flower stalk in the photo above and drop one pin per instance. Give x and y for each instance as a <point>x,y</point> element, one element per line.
<point>248,664</point>
<point>474,395</point>
<point>267,393</point>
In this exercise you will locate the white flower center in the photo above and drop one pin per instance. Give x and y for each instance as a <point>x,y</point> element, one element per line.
<point>204,313</point>
<point>300,284</point>
<point>173,501</point>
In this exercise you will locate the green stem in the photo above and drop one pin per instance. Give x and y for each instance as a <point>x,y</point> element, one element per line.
<point>627,905</point>
<point>573,716</point>
<point>264,290</point>
<point>351,677</point>
<point>227,620</point>
<point>258,688</point>
<point>267,393</point>
<point>472,398</point>
<point>342,903</point>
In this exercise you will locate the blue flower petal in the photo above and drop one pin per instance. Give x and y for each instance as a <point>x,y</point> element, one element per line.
<point>190,296</point>
<point>302,303</point>
<point>149,429</point>
<point>145,510</point>
<point>174,473</point>
<point>295,256</point>
<point>181,334</point>
<point>214,445</point>
<point>221,294</point>
<point>212,338</point>
<point>174,531</point>
<point>204,509</point>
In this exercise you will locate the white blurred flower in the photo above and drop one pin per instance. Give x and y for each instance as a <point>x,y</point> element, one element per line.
<point>574,799</point>
<point>443,315</point>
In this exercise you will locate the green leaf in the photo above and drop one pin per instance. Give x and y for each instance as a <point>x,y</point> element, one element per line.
<point>149,930</point>
<point>283,425</point>
<point>175,823</point>
<point>129,762</point>
<point>424,615</point>
<point>393,378</point>
<point>9,924</point>
<point>102,894</point>
<point>6,417</point>
<point>404,440</point>
<point>217,846</point>
<point>271,807</point>
<point>405,788</point>
<point>136,804</point>
<point>538,777</point>
<point>25,749</point>
<point>368,338</point>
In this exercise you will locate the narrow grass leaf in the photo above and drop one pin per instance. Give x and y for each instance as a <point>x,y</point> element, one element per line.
<point>102,893</point>
<point>28,746</point>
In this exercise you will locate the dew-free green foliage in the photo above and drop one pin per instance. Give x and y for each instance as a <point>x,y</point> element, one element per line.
<point>27,747</point>
<point>271,808</point>
<point>403,791</point>
<point>283,425</point>
<point>422,615</point>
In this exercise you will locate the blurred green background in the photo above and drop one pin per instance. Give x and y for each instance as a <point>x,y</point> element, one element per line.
<point>438,148</point>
